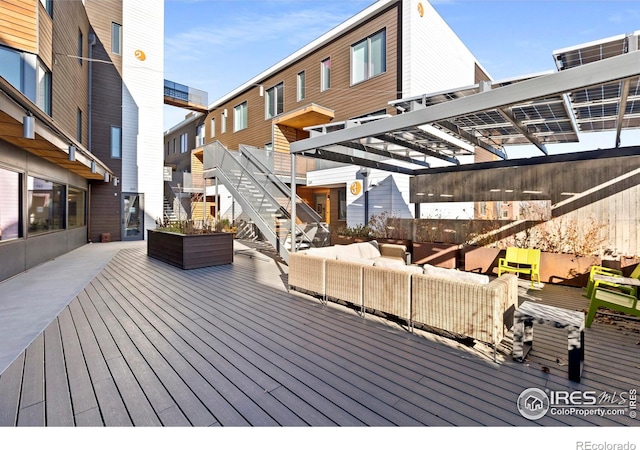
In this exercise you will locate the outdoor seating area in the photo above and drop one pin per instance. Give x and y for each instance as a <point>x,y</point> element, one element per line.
<point>458,302</point>
<point>145,343</point>
<point>608,288</point>
<point>521,261</point>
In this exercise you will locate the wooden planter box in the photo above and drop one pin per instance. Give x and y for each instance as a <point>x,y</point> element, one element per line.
<point>481,259</point>
<point>436,254</point>
<point>190,251</point>
<point>566,268</point>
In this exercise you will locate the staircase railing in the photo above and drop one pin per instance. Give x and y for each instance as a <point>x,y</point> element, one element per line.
<point>258,197</point>
<point>304,212</point>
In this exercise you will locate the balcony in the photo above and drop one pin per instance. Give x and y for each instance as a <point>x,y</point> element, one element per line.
<point>182,96</point>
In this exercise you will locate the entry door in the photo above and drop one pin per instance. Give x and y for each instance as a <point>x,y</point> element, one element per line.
<point>133,217</point>
<point>321,206</point>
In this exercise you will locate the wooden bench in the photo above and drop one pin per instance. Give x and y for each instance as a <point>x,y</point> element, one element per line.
<point>521,260</point>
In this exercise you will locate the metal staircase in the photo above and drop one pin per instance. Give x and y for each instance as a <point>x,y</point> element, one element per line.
<point>264,198</point>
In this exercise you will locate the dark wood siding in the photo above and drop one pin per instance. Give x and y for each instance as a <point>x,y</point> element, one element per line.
<point>106,101</point>
<point>18,24</point>
<point>347,101</point>
<point>45,37</point>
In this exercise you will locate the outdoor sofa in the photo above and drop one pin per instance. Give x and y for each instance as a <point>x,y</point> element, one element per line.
<point>458,302</point>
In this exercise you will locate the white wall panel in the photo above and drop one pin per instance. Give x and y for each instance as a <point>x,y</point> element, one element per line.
<point>434,58</point>
<point>143,103</point>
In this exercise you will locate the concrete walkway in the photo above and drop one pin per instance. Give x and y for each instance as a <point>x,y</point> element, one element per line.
<point>31,300</point>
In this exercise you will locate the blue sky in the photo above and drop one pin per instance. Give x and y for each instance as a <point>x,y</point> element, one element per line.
<point>217,45</point>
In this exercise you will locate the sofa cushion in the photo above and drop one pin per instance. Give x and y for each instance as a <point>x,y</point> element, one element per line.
<point>410,269</point>
<point>392,263</point>
<point>454,274</point>
<point>365,249</point>
<point>355,259</point>
<point>322,252</point>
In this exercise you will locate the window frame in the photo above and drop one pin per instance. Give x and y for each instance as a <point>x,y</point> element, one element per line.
<point>11,210</point>
<point>79,125</point>
<point>301,86</point>
<point>325,74</point>
<point>116,152</point>
<point>184,142</point>
<point>240,116</point>
<point>56,216</point>
<point>83,218</point>
<point>116,38</point>
<point>368,63</point>
<point>80,46</point>
<point>43,99</point>
<point>274,108</point>
<point>212,130</point>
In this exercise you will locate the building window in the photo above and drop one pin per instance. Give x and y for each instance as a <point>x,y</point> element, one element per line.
<point>46,205</point>
<point>274,101</point>
<point>223,122</point>
<point>116,38</point>
<point>200,136</point>
<point>301,91</point>
<point>325,74</point>
<point>10,222</point>
<point>43,91</point>
<point>79,126</point>
<point>48,6</point>
<point>168,147</point>
<point>240,117</point>
<point>368,57</point>
<point>79,47</point>
<point>183,142</point>
<point>11,67</point>
<point>213,127</point>
<point>342,204</point>
<point>76,216</point>
<point>174,145</point>
<point>116,142</point>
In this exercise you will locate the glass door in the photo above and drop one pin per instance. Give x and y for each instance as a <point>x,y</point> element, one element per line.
<point>133,217</point>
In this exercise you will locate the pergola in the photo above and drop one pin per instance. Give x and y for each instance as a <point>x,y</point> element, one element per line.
<point>596,88</point>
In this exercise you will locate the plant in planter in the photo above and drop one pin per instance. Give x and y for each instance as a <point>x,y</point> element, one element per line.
<point>189,245</point>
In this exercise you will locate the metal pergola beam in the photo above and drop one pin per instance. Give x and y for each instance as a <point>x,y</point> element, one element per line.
<point>425,151</point>
<point>507,114</point>
<point>384,153</point>
<point>329,155</point>
<point>616,68</point>
<point>471,138</point>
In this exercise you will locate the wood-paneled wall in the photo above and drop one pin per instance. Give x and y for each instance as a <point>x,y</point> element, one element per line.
<point>18,22</point>
<point>346,100</point>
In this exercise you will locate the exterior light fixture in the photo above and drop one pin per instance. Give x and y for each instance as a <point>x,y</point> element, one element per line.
<point>72,153</point>
<point>93,167</point>
<point>29,127</point>
<point>107,177</point>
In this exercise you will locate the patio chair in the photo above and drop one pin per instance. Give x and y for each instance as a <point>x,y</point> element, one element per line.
<point>614,300</point>
<point>521,260</point>
<point>593,284</point>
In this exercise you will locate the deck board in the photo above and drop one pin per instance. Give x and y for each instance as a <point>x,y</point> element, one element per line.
<point>147,344</point>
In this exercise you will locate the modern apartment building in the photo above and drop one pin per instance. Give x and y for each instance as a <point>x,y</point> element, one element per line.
<point>391,50</point>
<point>80,121</point>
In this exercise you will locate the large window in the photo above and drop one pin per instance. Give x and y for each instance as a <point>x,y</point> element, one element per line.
<point>43,91</point>
<point>116,38</point>
<point>368,57</point>
<point>116,142</point>
<point>240,117</point>
<point>325,74</point>
<point>9,205</point>
<point>46,205</point>
<point>76,208</point>
<point>11,67</point>
<point>274,101</point>
<point>301,84</point>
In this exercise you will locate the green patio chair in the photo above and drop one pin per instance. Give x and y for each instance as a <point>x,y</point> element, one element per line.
<point>614,300</point>
<point>593,284</point>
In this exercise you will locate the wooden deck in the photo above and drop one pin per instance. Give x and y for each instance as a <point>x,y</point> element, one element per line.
<point>148,344</point>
